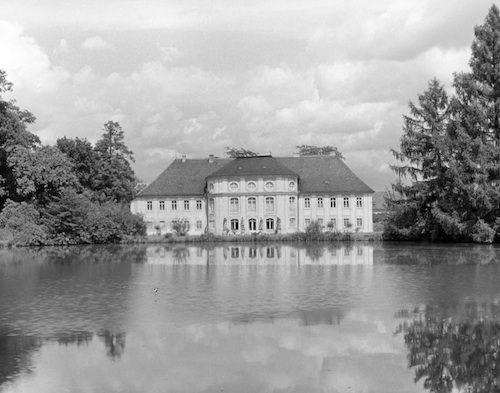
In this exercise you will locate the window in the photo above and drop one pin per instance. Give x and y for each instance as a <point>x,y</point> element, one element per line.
<point>346,252</point>
<point>235,224</point>
<point>252,224</point>
<point>199,224</point>
<point>333,223</point>
<point>320,221</point>
<point>251,186</point>
<point>346,202</point>
<point>269,204</point>
<point>187,226</point>
<point>291,203</point>
<point>235,252</point>
<point>211,186</point>
<point>252,204</point>
<point>149,205</point>
<point>234,205</point>
<point>360,251</point>
<point>346,223</point>
<point>269,224</point>
<point>333,202</point>
<point>270,252</point>
<point>320,203</point>
<point>252,252</point>
<point>307,221</point>
<point>211,225</point>
<point>233,186</point>
<point>292,222</point>
<point>174,205</point>
<point>162,224</point>
<point>269,186</point>
<point>307,203</point>
<point>198,204</point>
<point>359,202</point>
<point>211,205</point>
<point>162,205</point>
<point>359,222</point>
<point>186,205</point>
<point>291,186</point>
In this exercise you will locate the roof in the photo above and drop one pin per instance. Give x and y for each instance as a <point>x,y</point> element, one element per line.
<point>328,174</point>
<point>317,174</point>
<point>254,166</point>
<point>184,178</point>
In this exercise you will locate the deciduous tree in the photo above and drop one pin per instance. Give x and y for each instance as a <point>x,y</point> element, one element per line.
<point>309,150</point>
<point>234,152</point>
<point>13,133</point>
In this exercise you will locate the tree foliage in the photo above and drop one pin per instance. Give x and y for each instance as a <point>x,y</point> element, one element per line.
<point>449,186</point>
<point>115,180</point>
<point>84,158</point>
<point>455,353</point>
<point>234,152</point>
<point>13,133</point>
<point>41,173</point>
<point>70,193</point>
<point>309,150</point>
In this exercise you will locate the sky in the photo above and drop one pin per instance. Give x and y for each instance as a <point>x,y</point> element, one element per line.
<point>190,77</point>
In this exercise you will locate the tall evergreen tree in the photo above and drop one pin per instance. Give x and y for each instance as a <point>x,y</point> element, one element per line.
<point>453,150</point>
<point>115,180</point>
<point>424,153</point>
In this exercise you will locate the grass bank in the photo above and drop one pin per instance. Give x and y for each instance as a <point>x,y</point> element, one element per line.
<point>299,237</point>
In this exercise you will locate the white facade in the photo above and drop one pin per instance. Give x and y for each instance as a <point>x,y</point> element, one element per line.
<point>253,203</point>
<point>161,212</point>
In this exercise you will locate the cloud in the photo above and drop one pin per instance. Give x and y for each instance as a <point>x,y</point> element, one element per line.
<point>95,43</point>
<point>169,54</point>
<point>192,77</point>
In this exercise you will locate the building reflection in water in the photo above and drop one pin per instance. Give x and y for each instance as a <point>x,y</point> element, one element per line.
<point>262,254</point>
<point>454,350</point>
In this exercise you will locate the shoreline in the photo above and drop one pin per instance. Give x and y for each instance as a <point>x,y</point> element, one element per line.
<point>299,237</point>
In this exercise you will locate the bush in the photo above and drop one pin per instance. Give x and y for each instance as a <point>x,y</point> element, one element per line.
<point>20,224</point>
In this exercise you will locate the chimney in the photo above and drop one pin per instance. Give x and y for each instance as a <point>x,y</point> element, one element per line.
<point>183,159</point>
<point>210,158</point>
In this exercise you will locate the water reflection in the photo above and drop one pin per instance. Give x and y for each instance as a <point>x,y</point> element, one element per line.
<point>262,254</point>
<point>244,317</point>
<point>455,349</point>
<point>16,355</point>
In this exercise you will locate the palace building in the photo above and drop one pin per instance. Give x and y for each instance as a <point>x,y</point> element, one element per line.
<point>256,194</point>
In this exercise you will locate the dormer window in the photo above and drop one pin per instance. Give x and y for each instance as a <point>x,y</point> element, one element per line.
<point>251,186</point>
<point>233,186</point>
<point>269,186</point>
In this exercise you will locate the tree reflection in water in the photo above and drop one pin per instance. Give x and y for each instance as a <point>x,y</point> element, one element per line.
<point>455,351</point>
<point>16,354</point>
<point>115,343</point>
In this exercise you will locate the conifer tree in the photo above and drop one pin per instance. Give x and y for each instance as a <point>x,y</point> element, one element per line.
<point>451,152</point>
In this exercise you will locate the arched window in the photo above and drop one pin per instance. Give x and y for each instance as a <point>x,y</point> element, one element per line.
<point>252,224</point>
<point>234,205</point>
<point>211,205</point>
<point>269,204</point>
<point>291,203</point>
<point>235,224</point>
<point>270,224</point>
<point>252,204</point>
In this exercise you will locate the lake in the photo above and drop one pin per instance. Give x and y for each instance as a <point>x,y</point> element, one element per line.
<point>341,317</point>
